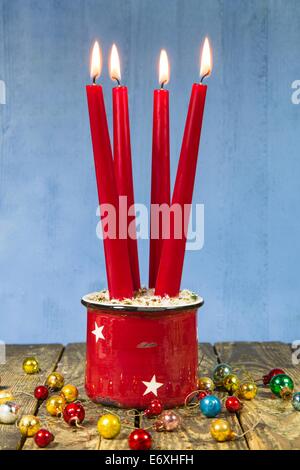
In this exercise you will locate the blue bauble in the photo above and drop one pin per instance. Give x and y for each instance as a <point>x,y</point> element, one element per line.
<point>296,401</point>
<point>210,406</point>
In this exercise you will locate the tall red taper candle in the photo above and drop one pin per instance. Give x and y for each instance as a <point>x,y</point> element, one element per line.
<point>160,180</point>
<point>115,249</point>
<point>172,258</point>
<point>122,161</point>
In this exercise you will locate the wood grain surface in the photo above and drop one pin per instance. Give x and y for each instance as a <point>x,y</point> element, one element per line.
<point>22,385</point>
<point>72,366</point>
<point>269,423</point>
<point>194,432</point>
<point>279,423</point>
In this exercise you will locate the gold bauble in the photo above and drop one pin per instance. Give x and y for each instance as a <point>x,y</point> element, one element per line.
<point>221,431</point>
<point>109,426</point>
<point>55,405</point>
<point>6,395</point>
<point>231,383</point>
<point>247,390</point>
<point>29,425</point>
<point>206,383</point>
<point>69,392</point>
<point>55,381</point>
<point>31,365</point>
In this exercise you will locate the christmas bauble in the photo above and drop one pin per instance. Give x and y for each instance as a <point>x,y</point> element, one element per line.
<point>30,365</point>
<point>296,401</point>
<point>70,392</point>
<point>154,408</point>
<point>282,385</point>
<point>168,421</point>
<point>6,395</point>
<point>233,404</point>
<point>247,390</point>
<point>221,431</point>
<point>29,425</point>
<point>9,412</point>
<point>266,378</point>
<point>205,383</point>
<point>109,426</point>
<point>55,405</point>
<point>55,381</point>
<point>140,439</point>
<point>43,438</point>
<point>74,413</point>
<point>202,394</point>
<point>210,406</point>
<point>220,372</point>
<point>41,392</point>
<point>231,383</point>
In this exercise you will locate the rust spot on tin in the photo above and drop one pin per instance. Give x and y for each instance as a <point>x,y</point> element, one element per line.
<point>145,345</point>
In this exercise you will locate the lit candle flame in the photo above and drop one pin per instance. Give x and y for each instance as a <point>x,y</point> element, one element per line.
<point>96,62</point>
<point>206,60</point>
<point>115,71</point>
<point>164,72</point>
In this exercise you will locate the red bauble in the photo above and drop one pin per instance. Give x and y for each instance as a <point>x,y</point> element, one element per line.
<point>203,394</point>
<point>74,414</point>
<point>140,439</point>
<point>233,404</point>
<point>154,409</point>
<point>41,392</point>
<point>43,438</point>
<point>267,378</point>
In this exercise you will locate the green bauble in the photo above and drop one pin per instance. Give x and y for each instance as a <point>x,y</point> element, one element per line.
<point>282,385</point>
<point>220,372</point>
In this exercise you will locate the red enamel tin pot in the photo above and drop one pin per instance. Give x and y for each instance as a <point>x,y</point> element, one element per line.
<point>135,354</point>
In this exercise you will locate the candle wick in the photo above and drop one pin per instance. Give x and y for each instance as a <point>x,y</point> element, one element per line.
<point>205,75</point>
<point>162,85</point>
<point>117,80</point>
<point>94,80</point>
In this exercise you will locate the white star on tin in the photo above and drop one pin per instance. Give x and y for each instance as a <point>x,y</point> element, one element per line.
<point>152,386</point>
<point>98,332</point>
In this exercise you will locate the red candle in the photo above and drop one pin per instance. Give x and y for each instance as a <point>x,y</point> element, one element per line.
<point>122,162</point>
<point>160,181</point>
<point>115,249</point>
<point>172,258</point>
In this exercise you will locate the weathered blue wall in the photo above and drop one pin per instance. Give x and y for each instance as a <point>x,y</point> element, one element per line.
<point>249,167</point>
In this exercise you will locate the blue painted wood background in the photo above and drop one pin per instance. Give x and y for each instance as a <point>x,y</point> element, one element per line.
<point>249,165</point>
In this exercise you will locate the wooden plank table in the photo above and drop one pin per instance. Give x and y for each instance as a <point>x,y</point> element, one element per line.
<point>278,423</point>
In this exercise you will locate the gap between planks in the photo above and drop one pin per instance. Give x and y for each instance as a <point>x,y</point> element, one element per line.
<point>279,423</point>
<point>22,386</point>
